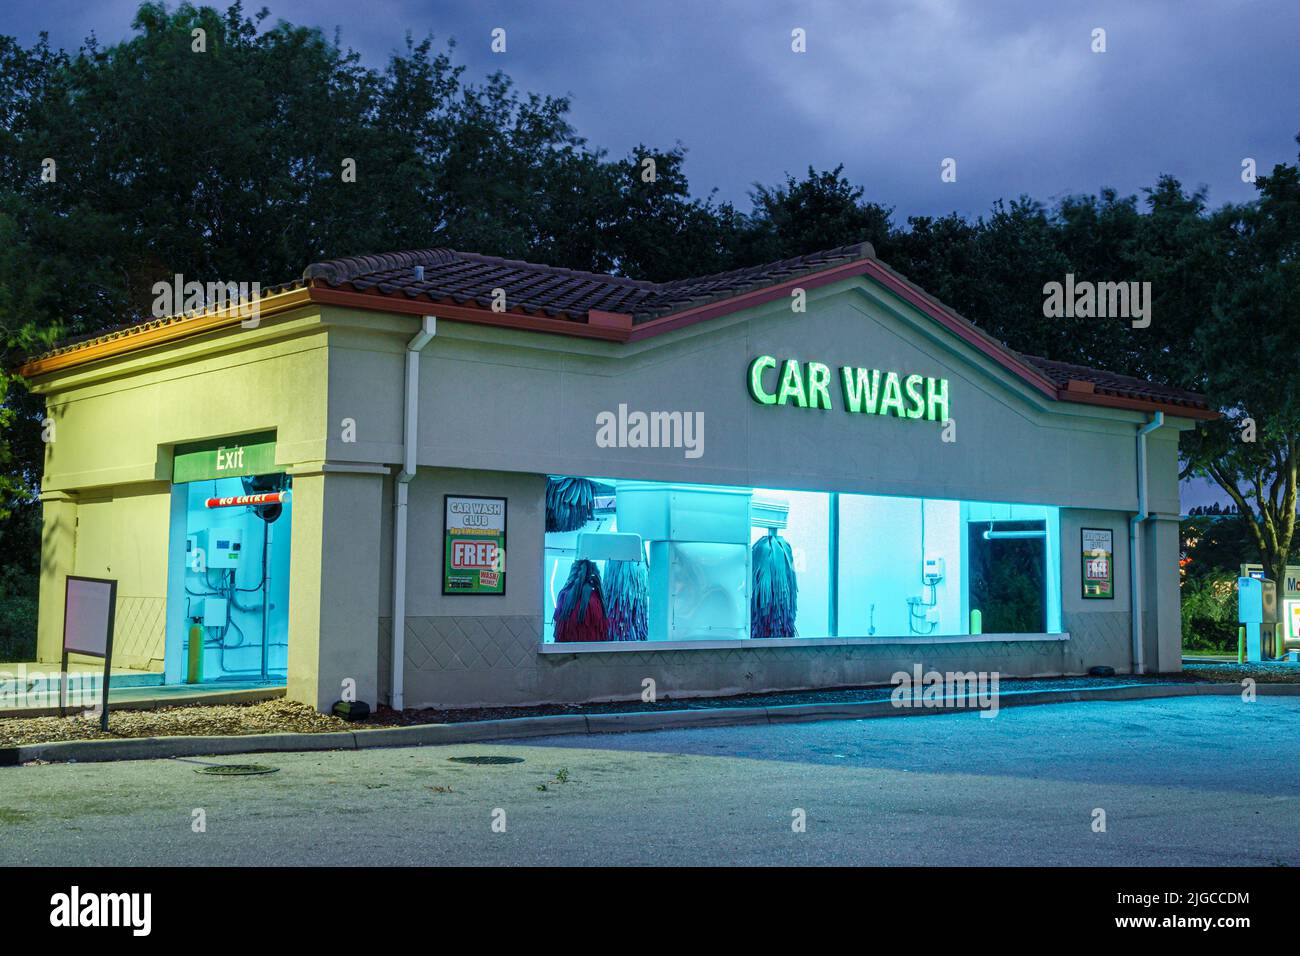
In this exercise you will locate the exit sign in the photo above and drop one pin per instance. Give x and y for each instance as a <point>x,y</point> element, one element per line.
<point>232,457</point>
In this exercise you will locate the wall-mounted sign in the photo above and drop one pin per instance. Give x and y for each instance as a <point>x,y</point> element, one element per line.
<point>225,458</point>
<point>863,391</point>
<point>1098,562</point>
<point>251,501</point>
<point>474,545</point>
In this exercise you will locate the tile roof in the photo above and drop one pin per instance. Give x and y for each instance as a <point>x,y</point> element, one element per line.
<point>1112,383</point>
<point>467,279</point>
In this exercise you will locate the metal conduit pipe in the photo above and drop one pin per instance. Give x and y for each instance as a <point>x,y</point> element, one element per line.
<point>401,493</point>
<point>1134,540</point>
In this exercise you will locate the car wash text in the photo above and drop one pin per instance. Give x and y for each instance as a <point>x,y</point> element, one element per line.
<point>864,391</point>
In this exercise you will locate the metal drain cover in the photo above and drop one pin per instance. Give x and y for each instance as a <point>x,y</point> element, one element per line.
<point>484,760</point>
<point>236,769</point>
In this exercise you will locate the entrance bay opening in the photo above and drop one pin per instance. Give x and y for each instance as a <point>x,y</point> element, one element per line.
<point>228,564</point>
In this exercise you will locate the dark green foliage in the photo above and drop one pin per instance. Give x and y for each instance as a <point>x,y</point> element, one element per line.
<point>20,541</point>
<point>1214,544</point>
<point>1006,578</point>
<point>1209,612</point>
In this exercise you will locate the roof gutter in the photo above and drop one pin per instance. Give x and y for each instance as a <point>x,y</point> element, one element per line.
<point>163,332</point>
<point>401,495</point>
<point>1134,540</point>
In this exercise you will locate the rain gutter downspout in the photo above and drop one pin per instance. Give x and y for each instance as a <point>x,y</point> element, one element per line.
<point>401,493</point>
<point>1134,538</point>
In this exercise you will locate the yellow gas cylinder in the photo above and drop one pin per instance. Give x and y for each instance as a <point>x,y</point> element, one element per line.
<point>194,672</point>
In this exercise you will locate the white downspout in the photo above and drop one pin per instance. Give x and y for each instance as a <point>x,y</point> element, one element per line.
<point>1134,539</point>
<point>401,491</point>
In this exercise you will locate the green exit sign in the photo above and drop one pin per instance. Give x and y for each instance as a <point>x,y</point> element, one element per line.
<point>232,457</point>
<point>863,391</point>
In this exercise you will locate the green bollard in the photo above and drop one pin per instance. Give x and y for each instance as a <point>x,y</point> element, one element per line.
<point>976,622</point>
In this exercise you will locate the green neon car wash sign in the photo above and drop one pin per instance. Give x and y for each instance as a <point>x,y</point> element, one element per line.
<point>863,391</point>
<point>231,457</point>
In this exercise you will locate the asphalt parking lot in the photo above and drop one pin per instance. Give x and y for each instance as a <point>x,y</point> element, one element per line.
<point>1205,780</point>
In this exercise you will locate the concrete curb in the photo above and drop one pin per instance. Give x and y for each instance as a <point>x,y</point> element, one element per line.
<point>517,728</point>
<point>674,719</point>
<point>470,731</point>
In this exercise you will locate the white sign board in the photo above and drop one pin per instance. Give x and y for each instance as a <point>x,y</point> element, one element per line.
<point>88,616</point>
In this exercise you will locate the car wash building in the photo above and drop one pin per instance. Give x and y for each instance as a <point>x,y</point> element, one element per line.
<point>448,479</point>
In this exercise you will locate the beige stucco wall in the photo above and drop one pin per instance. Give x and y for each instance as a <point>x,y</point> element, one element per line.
<point>106,490</point>
<point>504,400</point>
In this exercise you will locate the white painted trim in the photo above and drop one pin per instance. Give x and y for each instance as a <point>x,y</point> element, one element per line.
<point>614,647</point>
<point>331,467</point>
<point>308,468</point>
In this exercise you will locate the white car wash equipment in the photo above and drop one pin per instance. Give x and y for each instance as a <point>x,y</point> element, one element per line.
<point>1257,611</point>
<point>699,564</point>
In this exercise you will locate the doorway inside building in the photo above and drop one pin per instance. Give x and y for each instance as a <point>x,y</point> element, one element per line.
<point>1008,584</point>
<point>234,559</point>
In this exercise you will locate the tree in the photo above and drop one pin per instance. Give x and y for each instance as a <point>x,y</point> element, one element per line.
<point>1249,352</point>
<point>821,211</point>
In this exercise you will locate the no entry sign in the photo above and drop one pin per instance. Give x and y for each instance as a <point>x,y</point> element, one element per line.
<point>235,501</point>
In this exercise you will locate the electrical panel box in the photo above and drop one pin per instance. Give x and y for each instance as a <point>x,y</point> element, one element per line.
<point>210,611</point>
<point>221,547</point>
<point>932,572</point>
<point>215,612</point>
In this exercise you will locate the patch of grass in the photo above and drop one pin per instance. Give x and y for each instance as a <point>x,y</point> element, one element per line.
<point>561,777</point>
<point>10,815</point>
<point>1270,672</point>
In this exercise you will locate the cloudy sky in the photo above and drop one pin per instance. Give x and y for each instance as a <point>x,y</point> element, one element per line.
<point>1010,89</point>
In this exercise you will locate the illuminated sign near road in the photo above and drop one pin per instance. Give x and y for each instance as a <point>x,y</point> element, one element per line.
<point>863,391</point>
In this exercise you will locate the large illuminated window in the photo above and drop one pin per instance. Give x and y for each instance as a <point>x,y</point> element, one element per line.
<point>917,567</point>
<point>651,561</point>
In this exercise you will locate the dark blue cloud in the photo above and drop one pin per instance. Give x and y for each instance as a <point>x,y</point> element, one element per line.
<point>1011,90</point>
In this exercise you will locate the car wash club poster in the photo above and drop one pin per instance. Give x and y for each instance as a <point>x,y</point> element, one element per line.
<point>1098,563</point>
<point>474,543</point>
